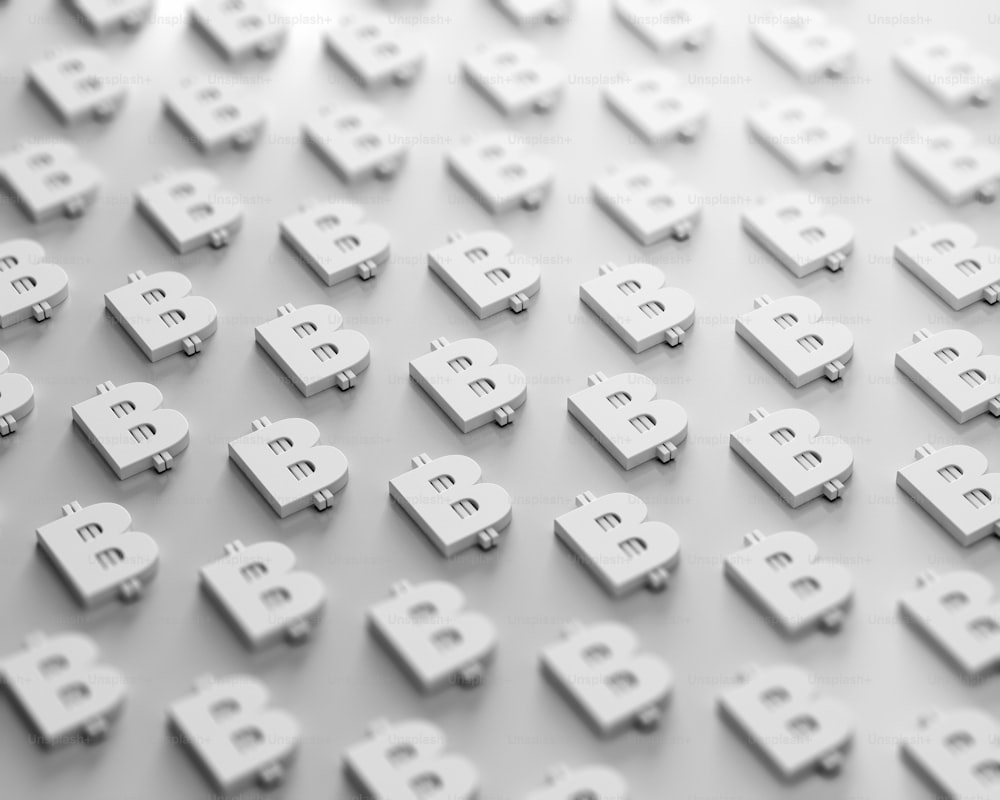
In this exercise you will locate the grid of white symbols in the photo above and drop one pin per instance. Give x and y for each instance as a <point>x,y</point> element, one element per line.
<point>273,352</point>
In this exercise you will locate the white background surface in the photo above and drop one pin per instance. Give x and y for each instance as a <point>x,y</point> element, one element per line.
<point>515,725</point>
